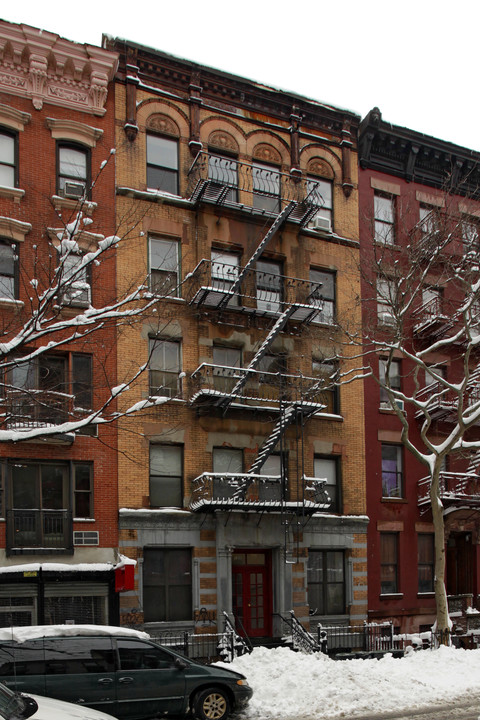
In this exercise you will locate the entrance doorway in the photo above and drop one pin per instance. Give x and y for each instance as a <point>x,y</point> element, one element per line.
<point>252,591</point>
<point>459,564</point>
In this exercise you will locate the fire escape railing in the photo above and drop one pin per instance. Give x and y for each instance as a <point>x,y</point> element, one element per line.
<point>226,181</point>
<point>28,529</point>
<point>461,489</point>
<point>24,408</point>
<point>442,403</point>
<point>430,318</point>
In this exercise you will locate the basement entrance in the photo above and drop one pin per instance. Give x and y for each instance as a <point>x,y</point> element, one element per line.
<point>252,591</point>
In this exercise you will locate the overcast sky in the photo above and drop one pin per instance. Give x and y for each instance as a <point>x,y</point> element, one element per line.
<point>417,60</point>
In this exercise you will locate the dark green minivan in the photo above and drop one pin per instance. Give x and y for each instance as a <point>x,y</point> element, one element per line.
<point>121,672</point>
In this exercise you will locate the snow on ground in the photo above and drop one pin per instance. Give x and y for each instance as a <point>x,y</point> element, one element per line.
<point>287,684</point>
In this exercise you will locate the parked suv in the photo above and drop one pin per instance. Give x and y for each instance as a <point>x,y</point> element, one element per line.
<point>120,671</point>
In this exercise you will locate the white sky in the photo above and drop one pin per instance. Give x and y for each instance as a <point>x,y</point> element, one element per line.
<point>416,60</point>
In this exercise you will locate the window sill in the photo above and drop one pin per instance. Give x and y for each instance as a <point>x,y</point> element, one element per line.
<point>391,596</point>
<point>429,594</point>
<point>15,194</point>
<point>8,303</point>
<point>61,203</point>
<point>394,500</point>
<point>83,520</point>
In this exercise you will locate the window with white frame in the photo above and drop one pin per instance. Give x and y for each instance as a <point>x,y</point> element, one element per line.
<point>322,295</point>
<point>8,270</point>
<point>166,473</point>
<point>384,211</point>
<point>269,285</point>
<point>73,170</point>
<point>266,187</point>
<point>321,194</point>
<point>389,376</point>
<point>327,468</point>
<point>164,266</point>
<point>165,367</point>
<point>8,164</point>
<point>162,163</point>
<point>75,281</point>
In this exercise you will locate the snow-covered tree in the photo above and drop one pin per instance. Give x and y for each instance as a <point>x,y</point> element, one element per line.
<point>40,396</point>
<point>421,335</point>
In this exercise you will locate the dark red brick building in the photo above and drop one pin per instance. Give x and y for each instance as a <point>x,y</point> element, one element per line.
<point>410,187</point>
<point>58,526</point>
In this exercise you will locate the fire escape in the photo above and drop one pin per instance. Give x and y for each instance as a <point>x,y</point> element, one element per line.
<point>222,291</point>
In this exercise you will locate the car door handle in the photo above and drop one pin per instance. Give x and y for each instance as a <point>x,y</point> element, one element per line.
<point>126,680</point>
<point>105,681</point>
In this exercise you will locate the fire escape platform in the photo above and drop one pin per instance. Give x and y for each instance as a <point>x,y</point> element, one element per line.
<point>457,491</point>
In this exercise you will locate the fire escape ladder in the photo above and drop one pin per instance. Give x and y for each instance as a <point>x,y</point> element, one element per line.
<point>261,352</point>
<point>283,422</point>
<point>276,225</point>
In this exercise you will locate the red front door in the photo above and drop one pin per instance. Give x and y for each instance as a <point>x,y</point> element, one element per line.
<point>252,591</point>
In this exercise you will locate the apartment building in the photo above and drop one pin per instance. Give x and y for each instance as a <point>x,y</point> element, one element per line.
<point>58,526</point>
<point>418,194</point>
<point>241,483</point>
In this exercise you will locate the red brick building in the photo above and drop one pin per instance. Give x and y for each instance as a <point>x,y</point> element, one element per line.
<point>410,187</point>
<point>58,526</point>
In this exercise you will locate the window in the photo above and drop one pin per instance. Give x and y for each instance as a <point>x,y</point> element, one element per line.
<point>326,582</point>
<point>228,460</point>
<point>8,164</point>
<point>75,281</point>
<point>428,219</point>
<point>39,506</point>
<point>73,175</point>
<point>266,187</point>
<point>432,301</point>
<point>82,656</point>
<point>54,381</point>
<point>165,367</point>
<point>83,490</point>
<point>471,232</point>
<point>162,164</point>
<point>166,473</point>
<point>139,655</point>
<point>327,371</point>
<point>385,301</point>
<point>384,207</point>
<point>426,562</point>
<point>224,171</point>
<point>326,468</point>
<point>224,272</point>
<point>388,563</point>
<point>225,360</point>
<point>322,295</point>
<point>8,270</point>
<point>321,195</point>
<point>392,471</point>
<point>269,285</point>
<point>393,380</point>
<point>167,584</point>
<point>274,366</point>
<point>164,266</point>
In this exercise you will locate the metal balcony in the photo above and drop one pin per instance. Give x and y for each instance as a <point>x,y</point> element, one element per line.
<point>260,294</point>
<point>430,320</point>
<point>23,409</point>
<point>442,403</point>
<point>456,490</point>
<point>212,384</point>
<point>261,190</point>
<point>244,491</point>
<point>31,531</point>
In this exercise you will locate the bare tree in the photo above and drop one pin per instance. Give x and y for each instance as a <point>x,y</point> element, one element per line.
<point>422,320</point>
<point>38,400</point>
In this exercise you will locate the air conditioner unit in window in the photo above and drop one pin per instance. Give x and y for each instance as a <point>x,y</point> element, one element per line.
<point>400,404</point>
<point>74,190</point>
<point>321,223</point>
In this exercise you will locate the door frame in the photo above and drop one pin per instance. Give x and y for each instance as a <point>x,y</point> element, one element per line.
<point>245,571</point>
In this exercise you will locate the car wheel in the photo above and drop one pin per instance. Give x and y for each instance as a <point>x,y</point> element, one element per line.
<point>211,704</point>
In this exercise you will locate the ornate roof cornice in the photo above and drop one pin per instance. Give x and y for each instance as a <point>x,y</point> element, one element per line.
<point>416,157</point>
<point>44,67</point>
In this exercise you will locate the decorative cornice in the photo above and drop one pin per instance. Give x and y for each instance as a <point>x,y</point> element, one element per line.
<point>47,68</point>
<point>416,157</point>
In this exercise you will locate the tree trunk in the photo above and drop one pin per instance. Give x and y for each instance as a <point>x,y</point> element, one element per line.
<point>443,624</point>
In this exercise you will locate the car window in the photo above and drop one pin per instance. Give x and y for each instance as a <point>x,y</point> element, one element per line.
<point>138,655</point>
<point>75,655</point>
<point>22,658</point>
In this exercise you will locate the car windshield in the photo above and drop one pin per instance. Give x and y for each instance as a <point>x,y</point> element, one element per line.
<point>12,705</point>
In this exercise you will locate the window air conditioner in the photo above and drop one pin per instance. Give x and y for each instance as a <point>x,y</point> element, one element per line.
<point>386,318</point>
<point>74,190</point>
<point>322,223</point>
<point>400,404</point>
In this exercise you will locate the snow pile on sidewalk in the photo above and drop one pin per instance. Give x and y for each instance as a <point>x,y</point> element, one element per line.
<point>288,684</point>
